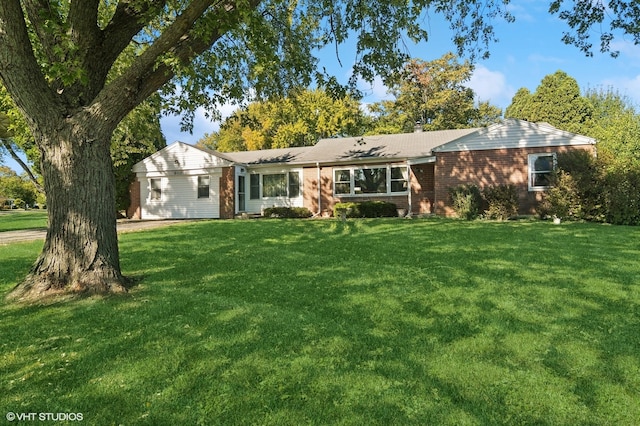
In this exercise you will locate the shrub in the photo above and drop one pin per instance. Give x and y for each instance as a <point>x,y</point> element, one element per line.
<point>366,209</point>
<point>287,212</point>
<point>466,201</point>
<point>563,199</point>
<point>502,201</point>
<point>622,195</point>
<point>19,203</point>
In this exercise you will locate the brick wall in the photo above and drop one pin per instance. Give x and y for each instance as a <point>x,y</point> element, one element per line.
<point>488,168</point>
<point>310,185</point>
<point>227,193</point>
<point>422,188</point>
<point>134,210</point>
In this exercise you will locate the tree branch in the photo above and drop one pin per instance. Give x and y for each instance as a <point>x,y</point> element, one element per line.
<point>6,143</point>
<point>83,23</point>
<point>43,18</point>
<point>19,69</point>
<point>146,74</point>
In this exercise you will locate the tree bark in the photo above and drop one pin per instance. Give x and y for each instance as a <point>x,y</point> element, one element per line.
<point>80,253</point>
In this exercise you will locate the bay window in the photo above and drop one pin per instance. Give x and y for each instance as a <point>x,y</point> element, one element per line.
<point>371,180</point>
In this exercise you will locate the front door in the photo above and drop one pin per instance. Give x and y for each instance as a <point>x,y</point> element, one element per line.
<point>241,195</point>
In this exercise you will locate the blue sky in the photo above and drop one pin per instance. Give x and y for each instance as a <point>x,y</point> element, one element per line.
<point>527,50</point>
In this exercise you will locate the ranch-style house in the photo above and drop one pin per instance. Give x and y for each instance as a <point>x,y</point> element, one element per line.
<point>413,170</point>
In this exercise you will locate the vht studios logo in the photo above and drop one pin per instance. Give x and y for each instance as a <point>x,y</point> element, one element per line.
<point>52,417</point>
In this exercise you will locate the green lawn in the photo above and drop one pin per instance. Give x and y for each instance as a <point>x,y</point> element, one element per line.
<point>15,220</point>
<point>379,322</point>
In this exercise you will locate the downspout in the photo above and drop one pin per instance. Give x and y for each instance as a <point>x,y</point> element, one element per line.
<point>319,190</point>
<point>410,191</point>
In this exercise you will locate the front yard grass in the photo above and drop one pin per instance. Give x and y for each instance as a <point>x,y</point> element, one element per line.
<point>16,220</point>
<point>389,321</point>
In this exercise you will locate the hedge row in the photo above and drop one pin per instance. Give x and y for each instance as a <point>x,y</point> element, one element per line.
<point>366,209</point>
<point>287,212</point>
<point>585,188</point>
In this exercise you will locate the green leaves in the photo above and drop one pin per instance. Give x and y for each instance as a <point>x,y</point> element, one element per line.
<point>607,18</point>
<point>432,93</point>
<point>298,120</point>
<point>556,101</point>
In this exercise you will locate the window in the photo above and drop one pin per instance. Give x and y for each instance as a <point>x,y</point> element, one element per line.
<point>155,189</point>
<point>203,186</point>
<point>371,180</point>
<point>254,187</point>
<point>274,185</point>
<point>294,184</point>
<point>540,168</point>
<point>399,179</point>
<point>342,182</point>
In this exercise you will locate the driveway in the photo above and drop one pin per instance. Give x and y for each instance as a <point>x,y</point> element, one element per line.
<point>9,237</point>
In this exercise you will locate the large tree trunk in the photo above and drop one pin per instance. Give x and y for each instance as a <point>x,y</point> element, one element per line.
<point>80,253</point>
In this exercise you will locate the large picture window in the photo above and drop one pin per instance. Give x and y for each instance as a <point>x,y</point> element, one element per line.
<point>541,166</point>
<point>276,185</point>
<point>371,180</point>
<point>155,189</point>
<point>203,186</point>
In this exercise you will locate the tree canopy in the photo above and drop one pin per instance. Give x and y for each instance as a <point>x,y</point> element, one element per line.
<point>297,120</point>
<point>557,101</point>
<point>433,94</point>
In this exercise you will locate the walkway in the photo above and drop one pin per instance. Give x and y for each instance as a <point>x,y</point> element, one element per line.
<point>9,237</point>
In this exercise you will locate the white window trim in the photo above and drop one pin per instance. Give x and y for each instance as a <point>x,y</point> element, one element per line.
<point>531,160</point>
<point>278,172</point>
<point>353,192</point>
<point>150,190</point>
<point>198,197</point>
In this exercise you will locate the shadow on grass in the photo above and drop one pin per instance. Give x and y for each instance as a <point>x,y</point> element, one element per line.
<point>366,322</point>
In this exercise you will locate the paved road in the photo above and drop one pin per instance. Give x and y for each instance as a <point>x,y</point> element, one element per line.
<point>8,237</point>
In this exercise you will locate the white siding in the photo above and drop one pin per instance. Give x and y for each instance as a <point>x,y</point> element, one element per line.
<point>515,134</point>
<point>180,199</point>
<point>179,157</point>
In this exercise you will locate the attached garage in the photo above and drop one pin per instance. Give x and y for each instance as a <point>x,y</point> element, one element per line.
<point>180,182</point>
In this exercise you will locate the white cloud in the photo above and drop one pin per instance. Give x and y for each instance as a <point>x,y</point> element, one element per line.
<point>201,124</point>
<point>491,86</point>
<point>375,91</point>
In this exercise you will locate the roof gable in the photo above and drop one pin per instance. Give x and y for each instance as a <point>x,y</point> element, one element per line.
<point>180,156</point>
<point>514,133</point>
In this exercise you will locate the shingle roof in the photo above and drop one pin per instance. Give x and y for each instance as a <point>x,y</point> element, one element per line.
<point>270,156</point>
<point>396,146</point>
<point>341,150</point>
